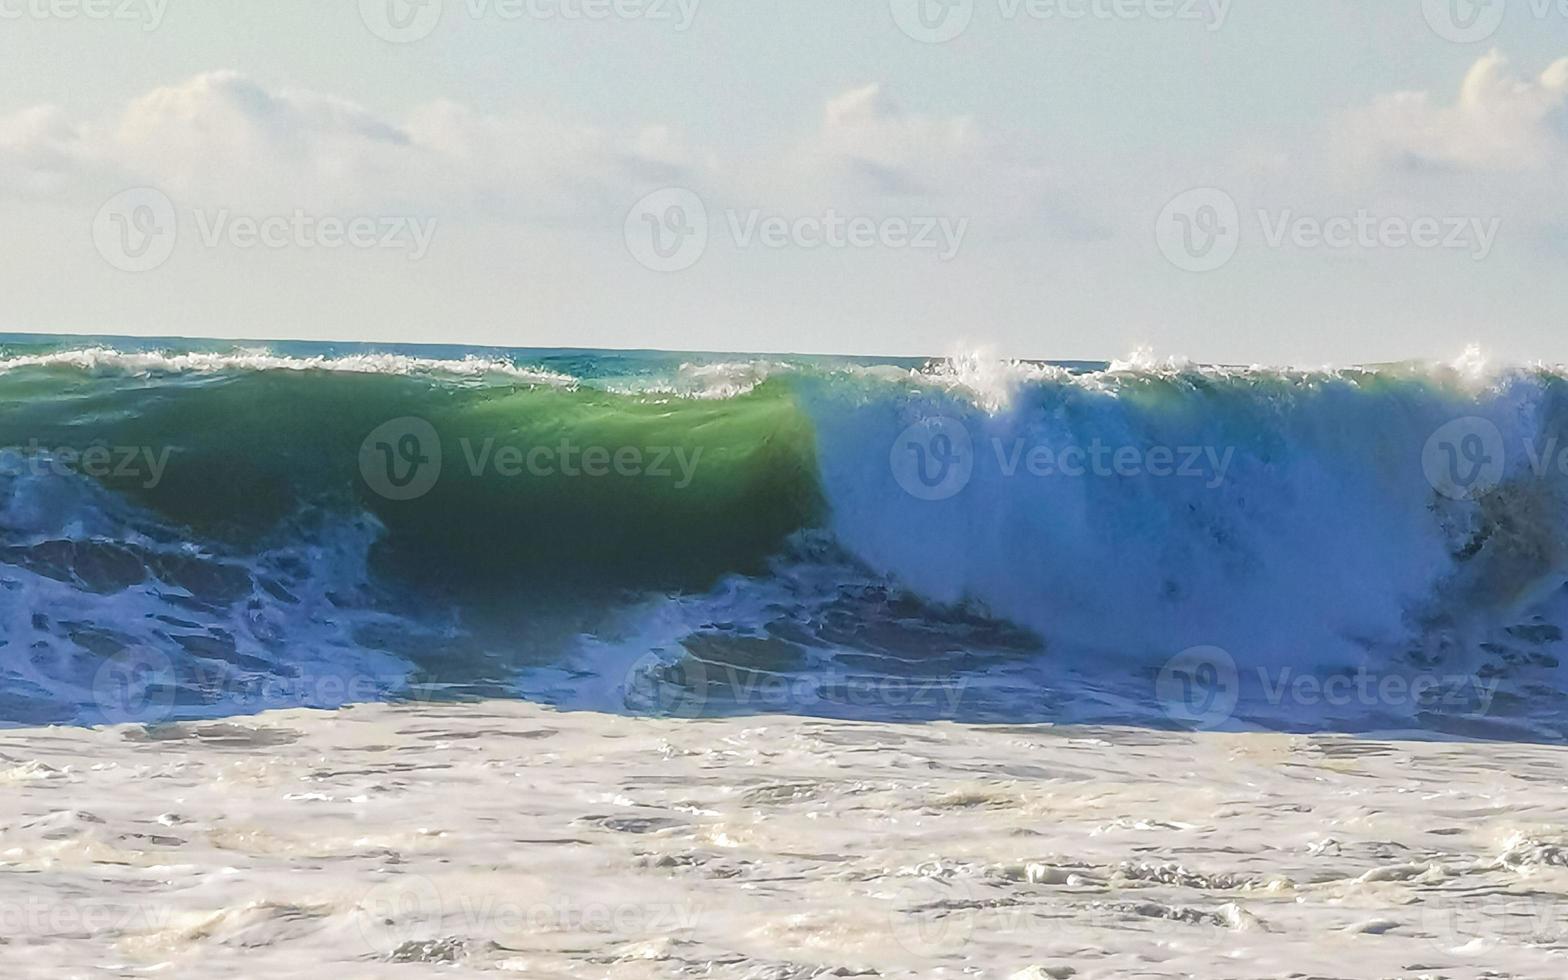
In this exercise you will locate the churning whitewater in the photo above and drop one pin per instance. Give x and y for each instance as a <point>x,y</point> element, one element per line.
<point>212,528</point>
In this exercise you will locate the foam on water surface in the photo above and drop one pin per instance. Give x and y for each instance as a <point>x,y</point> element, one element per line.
<point>764,526</point>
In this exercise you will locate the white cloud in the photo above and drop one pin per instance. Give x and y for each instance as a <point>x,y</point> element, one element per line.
<point>869,154</point>
<point>537,167</point>
<point>867,140</point>
<point>222,130</point>
<point>222,139</point>
<point>41,152</point>
<point>1501,123</point>
<point>1495,148</point>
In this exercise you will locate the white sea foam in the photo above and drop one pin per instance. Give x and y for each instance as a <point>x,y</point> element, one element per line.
<point>288,635</point>
<point>1308,532</point>
<point>105,360</point>
<point>508,838</point>
<point>715,381</point>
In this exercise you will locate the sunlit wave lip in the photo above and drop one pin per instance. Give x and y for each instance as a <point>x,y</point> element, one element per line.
<point>994,384</point>
<point>716,381</point>
<point>106,360</point>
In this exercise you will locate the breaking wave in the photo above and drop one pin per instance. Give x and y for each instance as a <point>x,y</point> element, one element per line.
<point>270,513</point>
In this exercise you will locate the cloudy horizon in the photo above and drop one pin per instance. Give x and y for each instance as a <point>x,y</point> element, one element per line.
<point>1200,179</point>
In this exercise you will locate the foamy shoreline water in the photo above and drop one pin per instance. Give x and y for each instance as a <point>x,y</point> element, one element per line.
<point>505,837</point>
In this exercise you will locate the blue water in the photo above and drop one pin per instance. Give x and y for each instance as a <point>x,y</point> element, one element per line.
<point>195,528</point>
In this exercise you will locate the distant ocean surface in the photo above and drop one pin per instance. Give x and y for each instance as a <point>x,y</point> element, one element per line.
<point>206,528</point>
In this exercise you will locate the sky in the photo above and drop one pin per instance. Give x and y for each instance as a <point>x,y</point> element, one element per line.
<point>1230,181</point>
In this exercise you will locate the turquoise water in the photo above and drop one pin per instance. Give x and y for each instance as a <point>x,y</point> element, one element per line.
<point>198,528</point>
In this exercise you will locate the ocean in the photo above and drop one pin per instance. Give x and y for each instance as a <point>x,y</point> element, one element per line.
<point>398,661</point>
<point>199,529</point>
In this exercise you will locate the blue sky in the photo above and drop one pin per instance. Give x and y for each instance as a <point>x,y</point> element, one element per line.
<point>1022,187</point>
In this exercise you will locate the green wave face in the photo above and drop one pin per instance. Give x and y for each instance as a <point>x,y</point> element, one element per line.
<point>581,530</point>
<point>547,488</point>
